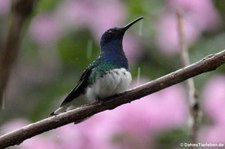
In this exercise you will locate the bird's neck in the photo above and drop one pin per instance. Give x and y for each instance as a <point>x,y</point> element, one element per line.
<point>113,53</point>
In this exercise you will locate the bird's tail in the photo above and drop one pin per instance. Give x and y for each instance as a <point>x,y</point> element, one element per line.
<point>59,110</point>
<point>66,108</point>
<point>70,105</point>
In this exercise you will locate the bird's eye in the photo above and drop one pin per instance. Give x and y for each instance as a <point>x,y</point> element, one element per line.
<point>110,31</point>
<point>108,36</point>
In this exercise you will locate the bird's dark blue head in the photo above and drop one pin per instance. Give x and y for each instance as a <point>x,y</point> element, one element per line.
<point>111,43</point>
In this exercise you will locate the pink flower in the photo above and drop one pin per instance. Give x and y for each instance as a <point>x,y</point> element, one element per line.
<point>39,142</point>
<point>214,99</point>
<point>202,13</point>
<point>167,34</point>
<point>98,16</point>
<point>69,137</point>
<point>73,14</point>
<point>132,48</point>
<point>155,113</point>
<point>92,14</point>
<point>96,132</point>
<point>13,125</point>
<point>4,7</point>
<point>213,107</point>
<point>105,9</point>
<point>199,16</point>
<point>212,134</point>
<point>44,29</point>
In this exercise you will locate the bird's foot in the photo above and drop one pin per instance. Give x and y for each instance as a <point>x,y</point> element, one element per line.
<point>105,103</point>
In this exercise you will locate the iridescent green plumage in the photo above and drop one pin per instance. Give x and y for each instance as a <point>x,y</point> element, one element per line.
<point>100,67</point>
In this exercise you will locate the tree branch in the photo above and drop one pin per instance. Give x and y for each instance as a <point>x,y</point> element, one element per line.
<point>21,10</point>
<point>208,63</point>
<point>192,93</point>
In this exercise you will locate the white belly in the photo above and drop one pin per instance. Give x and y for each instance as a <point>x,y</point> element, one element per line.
<point>117,81</point>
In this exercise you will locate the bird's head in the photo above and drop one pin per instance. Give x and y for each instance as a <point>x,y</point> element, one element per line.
<point>115,35</point>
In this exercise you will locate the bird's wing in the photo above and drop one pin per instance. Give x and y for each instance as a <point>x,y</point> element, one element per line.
<point>80,87</point>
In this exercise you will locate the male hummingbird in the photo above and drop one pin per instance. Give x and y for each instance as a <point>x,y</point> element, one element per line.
<point>107,75</point>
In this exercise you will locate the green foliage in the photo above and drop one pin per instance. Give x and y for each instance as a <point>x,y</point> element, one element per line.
<point>171,139</point>
<point>220,7</point>
<point>73,49</point>
<point>44,5</point>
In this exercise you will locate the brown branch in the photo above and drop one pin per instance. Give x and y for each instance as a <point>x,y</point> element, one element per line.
<point>21,10</point>
<point>209,63</point>
<point>192,94</point>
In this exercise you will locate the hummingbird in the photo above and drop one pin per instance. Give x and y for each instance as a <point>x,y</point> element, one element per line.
<point>107,75</point>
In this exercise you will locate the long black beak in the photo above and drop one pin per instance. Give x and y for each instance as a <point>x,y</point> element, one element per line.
<point>131,23</point>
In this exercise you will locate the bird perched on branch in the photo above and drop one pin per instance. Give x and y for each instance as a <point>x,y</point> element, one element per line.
<point>107,75</point>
